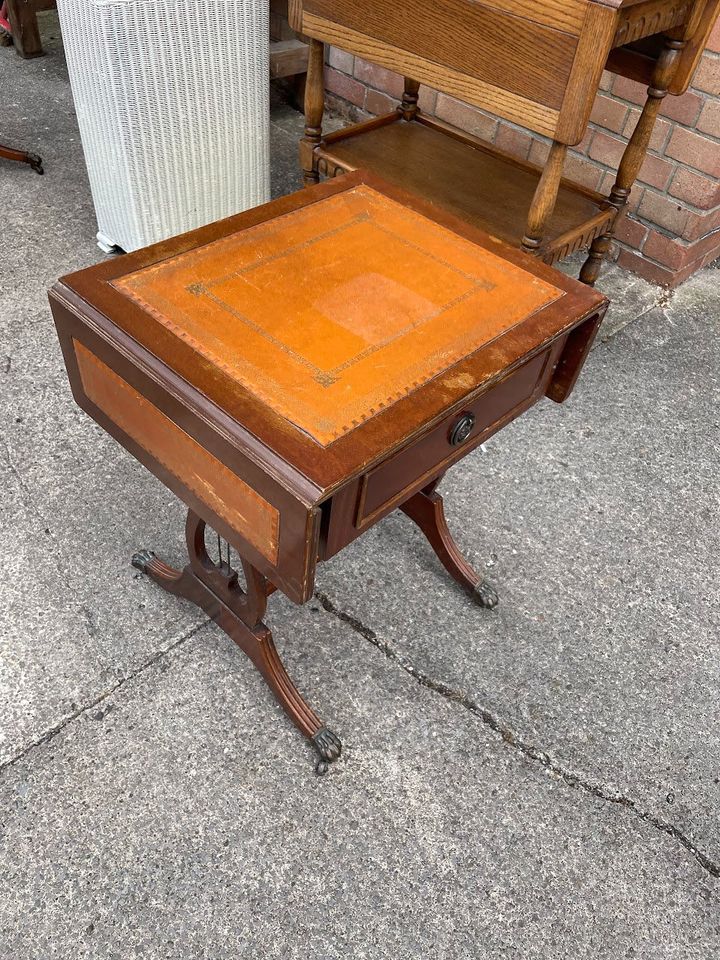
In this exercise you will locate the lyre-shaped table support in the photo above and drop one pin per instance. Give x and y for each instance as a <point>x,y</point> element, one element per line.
<point>215,589</point>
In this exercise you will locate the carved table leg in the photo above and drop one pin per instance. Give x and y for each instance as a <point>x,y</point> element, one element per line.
<point>544,198</point>
<point>215,589</point>
<point>426,509</point>
<point>409,106</point>
<point>599,249</point>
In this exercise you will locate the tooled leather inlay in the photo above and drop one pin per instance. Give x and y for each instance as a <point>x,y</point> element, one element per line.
<point>333,312</point>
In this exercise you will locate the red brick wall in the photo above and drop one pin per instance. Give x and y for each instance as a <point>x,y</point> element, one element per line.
<point>673,227</point>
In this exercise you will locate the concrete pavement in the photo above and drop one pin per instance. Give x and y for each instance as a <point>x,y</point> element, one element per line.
<point>542,780</point>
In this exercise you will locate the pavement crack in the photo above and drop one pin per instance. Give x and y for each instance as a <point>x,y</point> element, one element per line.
<point>27,497</point>
<point>53,731</point>
<point>513,740</point>
<point>665,299</point>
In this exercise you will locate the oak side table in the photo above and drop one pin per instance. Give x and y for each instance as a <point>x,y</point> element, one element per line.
<point>297,372</point>
<point>536,63</point>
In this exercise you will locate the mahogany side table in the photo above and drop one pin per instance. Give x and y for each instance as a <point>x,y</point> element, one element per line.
<point>297,372</point>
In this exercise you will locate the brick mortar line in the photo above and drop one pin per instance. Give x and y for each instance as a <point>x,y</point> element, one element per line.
<point>528,750</point>
<point>658,228</point>
<point>701,133</point>
<point>53,731</point>
<point>703,94</point>
<point>683,203</point>
<point>701,211</point>
<point>690,127</point>
<point>621,138</point>
<point>640,252</point>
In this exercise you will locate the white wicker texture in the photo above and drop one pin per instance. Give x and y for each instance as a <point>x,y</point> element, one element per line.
<point>172,98</point>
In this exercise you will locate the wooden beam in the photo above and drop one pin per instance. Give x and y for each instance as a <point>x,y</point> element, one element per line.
<point>288,58</point>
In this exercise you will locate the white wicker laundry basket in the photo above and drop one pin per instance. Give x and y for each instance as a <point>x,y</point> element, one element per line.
<point>172,102</point>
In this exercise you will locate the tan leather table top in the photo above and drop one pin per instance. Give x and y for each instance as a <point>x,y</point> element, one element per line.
<point>330,327</point>
<point>337,310</point>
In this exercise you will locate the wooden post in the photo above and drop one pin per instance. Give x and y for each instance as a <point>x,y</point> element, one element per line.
<point>543,201</point>
<point>314,105</point>
<point>634,155</point>
<point>22,15</point>
<point>409,105</point>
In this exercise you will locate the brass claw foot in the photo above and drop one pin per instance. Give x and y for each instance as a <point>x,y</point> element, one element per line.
<point>35,163</point>
<point>485,595</point>
<point>22,156</point>
<point>329,748</point>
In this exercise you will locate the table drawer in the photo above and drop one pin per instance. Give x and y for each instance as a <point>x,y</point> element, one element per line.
<point>453,437</point>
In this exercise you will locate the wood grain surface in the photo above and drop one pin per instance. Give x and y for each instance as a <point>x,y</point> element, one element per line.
<point>459,174</point>
<point>523,109</point>
<point>523,56</point>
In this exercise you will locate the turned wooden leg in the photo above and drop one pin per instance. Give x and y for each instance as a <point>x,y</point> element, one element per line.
<point>22,156</point>
<point>426,509</point>
<point>215,589</point>
<point>590,270</point>
<point>409,105</point>
<point>24,25</point>
<point>634,154</point>
<point>544,198</point>
<point>314,106</point>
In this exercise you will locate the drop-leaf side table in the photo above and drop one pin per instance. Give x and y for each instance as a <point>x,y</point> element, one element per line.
<point>299,371</point>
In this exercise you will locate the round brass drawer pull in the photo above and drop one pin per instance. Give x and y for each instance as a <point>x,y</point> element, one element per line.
<point>462,429</point>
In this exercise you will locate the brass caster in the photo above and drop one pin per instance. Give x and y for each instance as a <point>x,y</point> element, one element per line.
<point>485,595</point>
<point>141,559</point>
<point>329,748</point>
<point>35,163</point>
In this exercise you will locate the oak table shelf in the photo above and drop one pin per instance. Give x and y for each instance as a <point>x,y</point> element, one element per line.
<point>296,373</point>
<point>466,176</point>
